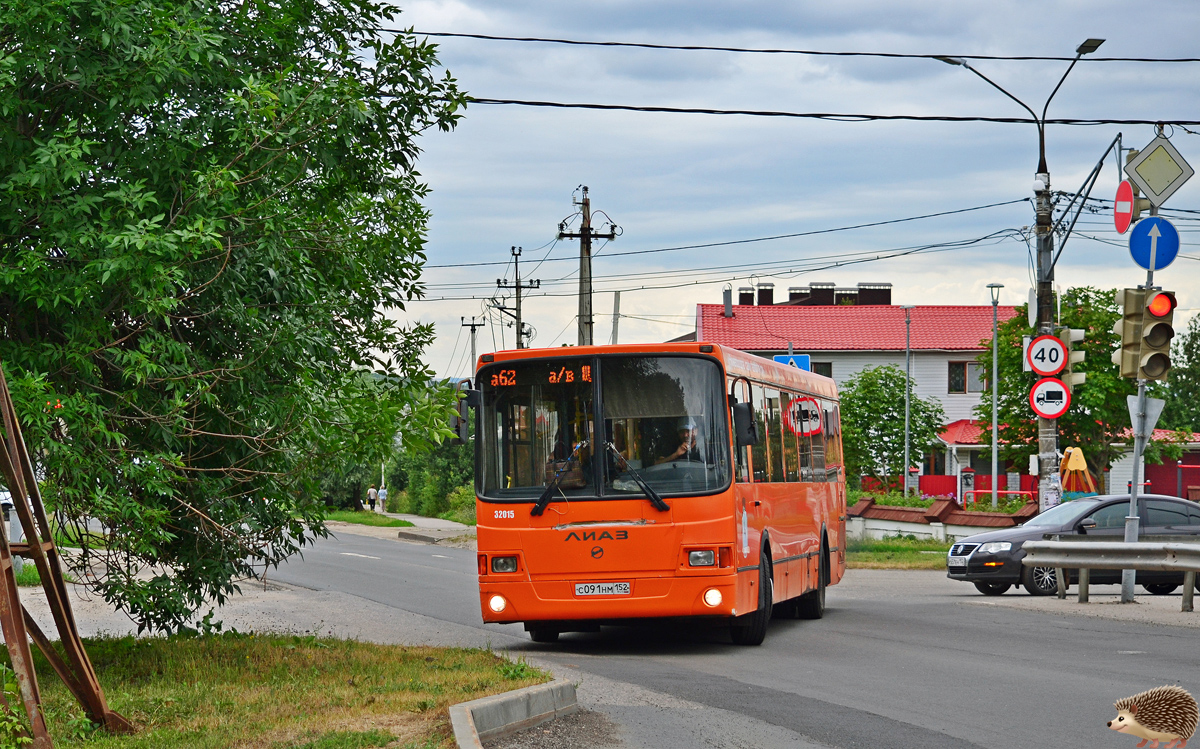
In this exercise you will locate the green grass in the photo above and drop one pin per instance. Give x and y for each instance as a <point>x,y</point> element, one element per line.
<point>28,577</point>
<point>891,499</point>
<point>1008,506</point>
<point>367,518</point>
<point>276,692</point>
<point>897,553</point>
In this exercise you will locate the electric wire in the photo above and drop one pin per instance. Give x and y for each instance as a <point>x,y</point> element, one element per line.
<point>831,116</point>
<point>771,238</point>
<point>775,51</point>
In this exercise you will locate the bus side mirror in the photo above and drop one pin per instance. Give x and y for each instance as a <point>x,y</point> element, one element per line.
<point>744,427</point>
<point>461,421</point>
<point>473,399</point>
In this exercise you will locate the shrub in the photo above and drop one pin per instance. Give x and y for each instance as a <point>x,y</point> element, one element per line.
<point>462,505</point>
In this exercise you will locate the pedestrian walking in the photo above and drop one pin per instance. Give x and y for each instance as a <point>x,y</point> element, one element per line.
<point>372,496</point>
<point>383,499</point>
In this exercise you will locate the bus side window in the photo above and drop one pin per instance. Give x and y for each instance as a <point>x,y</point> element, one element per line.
<point>741,455</point>
<point>833,439</point>
<point>791,454</point>
<point>760,453</point>
<point>774,435</point>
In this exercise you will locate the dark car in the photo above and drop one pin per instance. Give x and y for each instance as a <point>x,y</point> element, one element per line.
<point>993,560</point>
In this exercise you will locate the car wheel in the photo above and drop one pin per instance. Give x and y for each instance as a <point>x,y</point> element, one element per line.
<point>811,605</point>
<point>1039,581</point>
<point>543,634</point>
<point>992,589</point>
<point>1160,589</point>
<point>751,629</point>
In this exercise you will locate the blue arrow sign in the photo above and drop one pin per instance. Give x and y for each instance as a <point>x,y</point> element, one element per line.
<point>799,361</point>
<point>1154,243</point>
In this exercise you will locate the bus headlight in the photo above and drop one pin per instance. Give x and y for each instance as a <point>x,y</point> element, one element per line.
<point>504,564</point>
<point>713,597</point>
<point>706,558</point>
<point>497,604</point>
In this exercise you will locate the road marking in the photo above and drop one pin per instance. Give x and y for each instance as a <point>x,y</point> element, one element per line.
<point>1131,652</point>
<point>352,554</point>
<point>440,556</point>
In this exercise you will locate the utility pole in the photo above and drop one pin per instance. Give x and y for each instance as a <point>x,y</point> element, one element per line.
<point>585,235</point>
<point>514,313</point>
<point>616,315</point>
<point>1047,428</point>
<point>472,325</point>
<point>907,388</point>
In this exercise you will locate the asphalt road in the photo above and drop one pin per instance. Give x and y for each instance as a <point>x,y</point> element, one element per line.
<point>901,660</point>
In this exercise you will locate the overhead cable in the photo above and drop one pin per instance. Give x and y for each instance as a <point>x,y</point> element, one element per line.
<point>773,51</point>
<point>757,239</point>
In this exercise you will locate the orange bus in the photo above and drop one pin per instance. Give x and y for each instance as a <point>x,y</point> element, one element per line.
<point>617,483</point>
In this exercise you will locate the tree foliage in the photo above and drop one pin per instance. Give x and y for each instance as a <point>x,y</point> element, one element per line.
<point>207,209</point>
<point>872,409</point>
<point>1182,393</point>
<point>1098,420</point>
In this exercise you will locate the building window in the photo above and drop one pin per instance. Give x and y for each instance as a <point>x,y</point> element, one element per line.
<point>823,368</point>
<point>966,377</point>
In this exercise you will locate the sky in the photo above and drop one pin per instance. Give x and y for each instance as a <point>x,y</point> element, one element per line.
<point>507,175</point>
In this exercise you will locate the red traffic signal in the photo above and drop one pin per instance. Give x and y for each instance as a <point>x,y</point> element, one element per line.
<point>1161,304</point>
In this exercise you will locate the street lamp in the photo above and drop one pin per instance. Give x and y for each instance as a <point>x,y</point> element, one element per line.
<point>994,290</point>
<point>1047,428</point>
<point>907,386</point>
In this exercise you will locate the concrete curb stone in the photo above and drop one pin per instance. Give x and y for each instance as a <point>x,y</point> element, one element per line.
<point>504,714</point>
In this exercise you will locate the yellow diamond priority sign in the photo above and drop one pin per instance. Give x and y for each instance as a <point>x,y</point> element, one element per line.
<point>1158,170</point>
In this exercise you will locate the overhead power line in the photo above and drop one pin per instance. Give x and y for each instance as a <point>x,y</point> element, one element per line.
<point>833,116</point>
<point>773,51</point>
<point>759,239</point>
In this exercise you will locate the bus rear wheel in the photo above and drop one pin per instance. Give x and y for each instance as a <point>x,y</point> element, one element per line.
<point>811,605</point>
<point>543,634</point>
<point>751,629</point>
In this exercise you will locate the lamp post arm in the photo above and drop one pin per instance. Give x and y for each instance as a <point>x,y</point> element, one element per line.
<point>1036,120</point>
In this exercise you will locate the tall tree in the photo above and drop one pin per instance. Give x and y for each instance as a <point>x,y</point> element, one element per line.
<point>1183,381</point>
<point>209,215</point>
<point>872,410</point>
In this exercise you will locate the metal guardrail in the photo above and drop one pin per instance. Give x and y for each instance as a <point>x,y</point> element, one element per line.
<point>1099,555</point>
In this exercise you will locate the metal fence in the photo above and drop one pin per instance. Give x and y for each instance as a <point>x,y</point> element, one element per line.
<point>1101,555</point>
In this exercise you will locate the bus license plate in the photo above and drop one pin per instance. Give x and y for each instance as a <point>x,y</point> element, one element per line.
<point>956,561</point>
<point>601,589</point>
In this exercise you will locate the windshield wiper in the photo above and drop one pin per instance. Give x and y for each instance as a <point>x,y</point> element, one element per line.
<point>652,495</point>
<point>540,506</point>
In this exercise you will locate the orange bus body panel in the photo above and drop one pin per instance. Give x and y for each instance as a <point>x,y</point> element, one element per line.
<point>626,540</point>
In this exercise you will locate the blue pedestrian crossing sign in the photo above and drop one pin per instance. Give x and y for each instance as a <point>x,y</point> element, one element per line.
<point>799,361</point>
<point>1154,243</point>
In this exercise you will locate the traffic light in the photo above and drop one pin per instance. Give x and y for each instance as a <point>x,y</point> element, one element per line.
<point>1129,328</point>
<point>1154,354</point>
<point>1071,337</point>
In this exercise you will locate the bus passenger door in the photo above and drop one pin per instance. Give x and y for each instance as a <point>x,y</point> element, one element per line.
<point>747,511</point>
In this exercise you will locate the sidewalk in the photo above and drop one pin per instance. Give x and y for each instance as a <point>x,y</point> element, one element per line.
<point>1146,608</point>
<point>424,530</point>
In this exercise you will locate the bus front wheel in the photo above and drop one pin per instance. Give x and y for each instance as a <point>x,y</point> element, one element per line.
<point>751,629</point>
<point>543,634</point>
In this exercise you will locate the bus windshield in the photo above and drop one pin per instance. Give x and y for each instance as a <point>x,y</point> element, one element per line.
<point>664,415</point>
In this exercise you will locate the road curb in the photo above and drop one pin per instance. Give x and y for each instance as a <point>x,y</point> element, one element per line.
<point>504,714</point>
<point>431,535</point>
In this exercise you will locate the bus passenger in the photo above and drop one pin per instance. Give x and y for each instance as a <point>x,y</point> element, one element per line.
<point>687,449</point>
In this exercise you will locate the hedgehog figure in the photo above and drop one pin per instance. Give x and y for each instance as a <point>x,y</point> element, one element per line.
<point>1164,714</point>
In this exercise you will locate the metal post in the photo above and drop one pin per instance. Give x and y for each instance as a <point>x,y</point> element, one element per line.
<point>516,254</point>
<point>585,272</point>
<point>1085,576</point>
<point>1129,577</point>
<point>907,389</point>
<point>1060,582</point>
<point>994,289</point>
<point>1189,589</point>
<point>616,315</point>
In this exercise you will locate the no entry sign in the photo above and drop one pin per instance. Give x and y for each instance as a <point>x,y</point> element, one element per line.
<point>1049,398</point>
<point>1047,355</point>
<point>1123,210</point>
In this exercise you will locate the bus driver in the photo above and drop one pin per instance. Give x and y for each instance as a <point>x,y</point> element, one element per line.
<point>687,449</point>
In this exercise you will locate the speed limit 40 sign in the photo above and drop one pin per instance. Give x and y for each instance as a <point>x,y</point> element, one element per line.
<point>1046,356</point>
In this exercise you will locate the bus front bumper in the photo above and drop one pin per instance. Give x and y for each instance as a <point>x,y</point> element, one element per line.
<point>651,597</point>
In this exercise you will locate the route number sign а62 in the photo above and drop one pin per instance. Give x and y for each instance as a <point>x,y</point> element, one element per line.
<point>1046,356</point>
